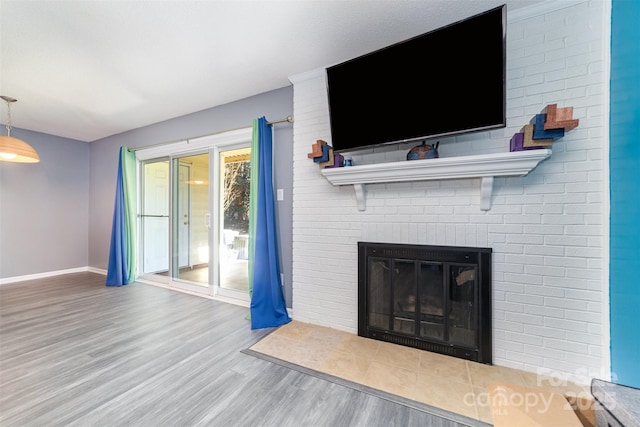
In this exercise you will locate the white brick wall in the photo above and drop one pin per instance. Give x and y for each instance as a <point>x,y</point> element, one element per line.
<point>546,229</point>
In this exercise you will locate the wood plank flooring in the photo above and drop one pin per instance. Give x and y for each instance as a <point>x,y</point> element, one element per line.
<point>74,352</point>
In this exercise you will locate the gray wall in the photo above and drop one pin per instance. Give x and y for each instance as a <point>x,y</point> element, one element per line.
<point>273,105</point>
<point>44,207</point>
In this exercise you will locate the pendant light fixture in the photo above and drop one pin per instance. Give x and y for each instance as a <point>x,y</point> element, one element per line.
<point>13,149</point>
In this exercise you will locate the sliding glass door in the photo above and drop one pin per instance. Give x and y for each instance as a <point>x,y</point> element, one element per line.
<point>175,221</point>
<point>194,217</point>
<point>233,215</point>
<point>191,221</point>
<point>154,217</point>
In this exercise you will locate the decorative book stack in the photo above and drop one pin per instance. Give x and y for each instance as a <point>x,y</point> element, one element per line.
<point>322,154</point>
<point>544,128</point>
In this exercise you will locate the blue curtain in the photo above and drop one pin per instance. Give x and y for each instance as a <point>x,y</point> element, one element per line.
<point>268,308</point>
<point>122,255</point>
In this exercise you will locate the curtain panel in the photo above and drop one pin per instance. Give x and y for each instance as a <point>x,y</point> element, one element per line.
<point>268,308</point>
<point>122,254</point>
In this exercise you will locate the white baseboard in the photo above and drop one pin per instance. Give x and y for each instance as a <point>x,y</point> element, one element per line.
<point>15,279</point>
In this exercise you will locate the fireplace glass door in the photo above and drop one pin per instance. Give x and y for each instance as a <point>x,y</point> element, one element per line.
<point>429,299</point>
<point>418,298</point>
<point>461,313</point>
<point>431,291</point>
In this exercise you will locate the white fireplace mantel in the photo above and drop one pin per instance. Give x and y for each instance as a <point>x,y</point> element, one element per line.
<point>484,166</point>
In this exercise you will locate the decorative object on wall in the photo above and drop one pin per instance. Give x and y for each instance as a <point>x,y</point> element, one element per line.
<point>316,149</point>
<point>338,161</point>
<point>544,128</point>
<point>322,154</point>
<point>424,151</point>
<point>529,140</point>
<point>559,118</point>
<point>14,149</point>
<point>517,143</point>
<point>327,151</point>
<point>330,161</point>
<point>539,130</point>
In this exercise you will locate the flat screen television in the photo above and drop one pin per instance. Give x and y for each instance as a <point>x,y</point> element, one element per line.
<point>445,82</point>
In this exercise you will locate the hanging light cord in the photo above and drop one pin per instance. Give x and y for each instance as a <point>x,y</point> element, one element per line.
<point>8,119</point>
<point>9,101</point>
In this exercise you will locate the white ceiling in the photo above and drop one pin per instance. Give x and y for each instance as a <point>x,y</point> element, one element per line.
<point>90,69</point>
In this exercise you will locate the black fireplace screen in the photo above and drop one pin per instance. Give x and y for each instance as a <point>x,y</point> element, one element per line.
<point>430,297</point>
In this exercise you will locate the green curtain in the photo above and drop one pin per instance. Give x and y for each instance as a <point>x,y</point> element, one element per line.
<point>253,200</point>
<point>122,254</point>
<point>130,197</point>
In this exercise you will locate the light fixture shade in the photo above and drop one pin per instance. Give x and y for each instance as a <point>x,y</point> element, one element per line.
<point>15,150</point>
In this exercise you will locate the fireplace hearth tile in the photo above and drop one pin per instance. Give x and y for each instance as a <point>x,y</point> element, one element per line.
<point>450,395</point>
<point>438,380</point>
<point>395,380</point>
<point>295,330</point>
<point>482,375</point>
<point>451,368</point>
<point>346,365</point>
<point>312,354</point>
<point>483,406</point>
<point>327,336</point>
<point>276,345</point>
<point>394,355</point>
<point>362,347</point>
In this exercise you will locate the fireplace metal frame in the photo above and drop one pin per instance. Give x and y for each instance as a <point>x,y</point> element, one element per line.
<point>481,257</point>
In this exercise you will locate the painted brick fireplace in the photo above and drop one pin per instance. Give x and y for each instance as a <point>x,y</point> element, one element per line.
<point>549,282</point>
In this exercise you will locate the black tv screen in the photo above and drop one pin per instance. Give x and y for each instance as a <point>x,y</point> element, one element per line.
<point>445,82</point>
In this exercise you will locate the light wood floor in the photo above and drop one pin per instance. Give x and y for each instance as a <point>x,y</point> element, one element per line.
<point>74,352</point>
